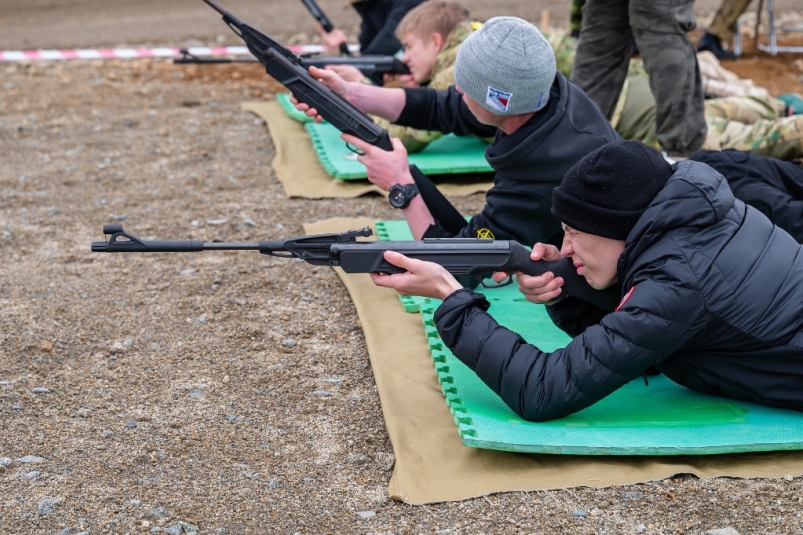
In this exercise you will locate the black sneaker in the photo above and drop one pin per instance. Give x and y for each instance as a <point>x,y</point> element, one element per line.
<point>712,44</point>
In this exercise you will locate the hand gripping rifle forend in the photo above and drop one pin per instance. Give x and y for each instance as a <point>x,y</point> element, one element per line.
<point>286,68</point>
<point>324,21</point>
<point>460,256</point>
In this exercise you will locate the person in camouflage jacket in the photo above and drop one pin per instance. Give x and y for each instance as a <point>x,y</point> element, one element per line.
<point>757,123</point>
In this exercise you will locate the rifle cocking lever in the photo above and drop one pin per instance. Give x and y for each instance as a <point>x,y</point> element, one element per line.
<point>352,235</point>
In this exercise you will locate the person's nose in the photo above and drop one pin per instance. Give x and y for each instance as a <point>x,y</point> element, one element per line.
<point>566,248</point>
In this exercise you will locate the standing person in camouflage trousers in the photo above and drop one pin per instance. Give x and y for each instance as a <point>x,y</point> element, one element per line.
<point>611,29</point>
<point>756,123</point>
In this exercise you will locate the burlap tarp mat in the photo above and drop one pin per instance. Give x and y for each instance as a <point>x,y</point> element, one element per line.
<point>298,170</point>
<point>433,465</point>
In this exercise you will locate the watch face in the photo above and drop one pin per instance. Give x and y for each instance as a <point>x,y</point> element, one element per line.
<point>396,197</point>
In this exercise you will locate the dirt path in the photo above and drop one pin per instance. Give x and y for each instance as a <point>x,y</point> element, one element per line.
<point>27,24</point>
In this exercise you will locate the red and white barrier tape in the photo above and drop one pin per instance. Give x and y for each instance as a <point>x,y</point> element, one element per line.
<point>130,53</point>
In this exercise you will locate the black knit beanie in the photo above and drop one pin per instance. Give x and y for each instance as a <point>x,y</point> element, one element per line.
<point>606,192</point>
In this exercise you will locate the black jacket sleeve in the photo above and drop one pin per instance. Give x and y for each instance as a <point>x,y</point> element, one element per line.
<point>444,111</point>
<point>574,316</point>
<point>656,321</point>
<point>381,39</point>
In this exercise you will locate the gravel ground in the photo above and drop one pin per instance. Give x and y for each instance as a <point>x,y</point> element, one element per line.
<point>225,392</point>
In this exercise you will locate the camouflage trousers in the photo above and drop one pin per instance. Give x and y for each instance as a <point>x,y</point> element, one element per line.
<point>610,30</point>
<point>753,124</point>
<point>724,23</point>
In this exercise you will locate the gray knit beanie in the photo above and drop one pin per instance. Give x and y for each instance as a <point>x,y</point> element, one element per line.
<point>507,66</point>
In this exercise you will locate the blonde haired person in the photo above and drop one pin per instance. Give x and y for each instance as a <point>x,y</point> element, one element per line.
<point>431,34</point>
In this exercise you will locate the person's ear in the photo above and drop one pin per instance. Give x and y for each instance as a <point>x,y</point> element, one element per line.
<point>438,40</point>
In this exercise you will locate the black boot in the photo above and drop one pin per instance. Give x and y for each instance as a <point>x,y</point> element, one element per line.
<point>712,44</point>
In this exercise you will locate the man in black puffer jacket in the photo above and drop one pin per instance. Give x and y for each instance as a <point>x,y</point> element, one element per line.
<point>508,87</point>
<point>712,292</point>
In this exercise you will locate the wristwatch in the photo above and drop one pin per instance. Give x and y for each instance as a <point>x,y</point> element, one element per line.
<point>400,196</point>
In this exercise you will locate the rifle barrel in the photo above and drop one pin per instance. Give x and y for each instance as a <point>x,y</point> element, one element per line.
<point>231,246</point>
<point>216,7</point>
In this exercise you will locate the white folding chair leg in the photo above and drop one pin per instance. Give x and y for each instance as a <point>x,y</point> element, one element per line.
<point>773,47</point>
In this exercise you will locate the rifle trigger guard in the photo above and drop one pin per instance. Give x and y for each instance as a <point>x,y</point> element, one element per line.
<point>355,150</point>
<point>507,282</point>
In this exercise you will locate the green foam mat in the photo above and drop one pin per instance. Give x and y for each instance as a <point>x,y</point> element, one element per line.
<point>447,155</point>
<point>284,101</point>
<point>663,418</point>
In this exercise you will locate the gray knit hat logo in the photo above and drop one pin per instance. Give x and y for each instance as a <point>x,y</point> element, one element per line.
<point>507,67</point>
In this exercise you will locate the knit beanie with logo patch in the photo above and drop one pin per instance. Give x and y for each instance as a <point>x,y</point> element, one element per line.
<point>507,67</point>
<point>607,191</point>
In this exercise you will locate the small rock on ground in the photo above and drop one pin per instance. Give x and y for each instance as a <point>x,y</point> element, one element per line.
<point>385,460</point>
<point>30,459</point>
<point>46,507</point>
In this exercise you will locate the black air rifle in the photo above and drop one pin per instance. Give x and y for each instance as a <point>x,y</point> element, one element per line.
<point>287,69</point>
<point>460,256</point>
<point>374,67</point>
